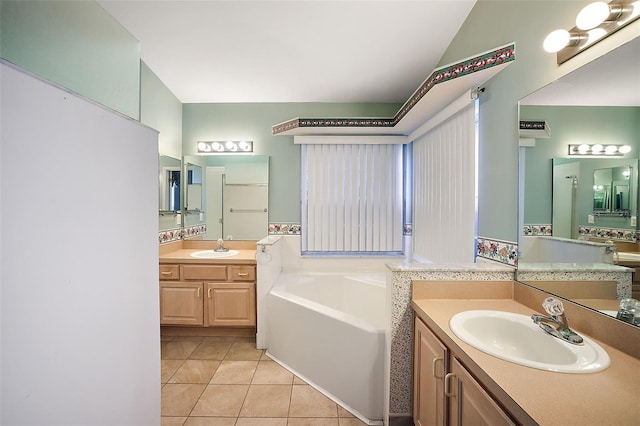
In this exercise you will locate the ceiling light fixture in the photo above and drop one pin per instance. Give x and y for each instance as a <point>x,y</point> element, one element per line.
<point>594,22</point>
<point>598,149</point>
<point>225,147</point>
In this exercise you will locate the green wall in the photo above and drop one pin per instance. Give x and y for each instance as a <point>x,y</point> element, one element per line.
<point>491,24</point>
<point>77,45</point>
<point>575,125</point>
<point>253,122</point>
<point>161,110</point>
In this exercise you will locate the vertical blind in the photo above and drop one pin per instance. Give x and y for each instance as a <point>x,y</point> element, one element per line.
<point>444,190</point>
<point>351,198</point>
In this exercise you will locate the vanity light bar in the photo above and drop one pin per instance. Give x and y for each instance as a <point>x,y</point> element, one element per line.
<point>599,150</point>
<point>594,22</point>
<point>224,147</point>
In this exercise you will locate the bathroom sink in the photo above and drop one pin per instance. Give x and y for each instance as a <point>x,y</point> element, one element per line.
<point>212,254</point>
<point>515,338</point>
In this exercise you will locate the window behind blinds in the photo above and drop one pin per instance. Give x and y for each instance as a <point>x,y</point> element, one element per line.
<point>351,198</point>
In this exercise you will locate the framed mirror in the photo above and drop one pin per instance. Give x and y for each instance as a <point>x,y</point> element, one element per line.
<point>598,103</point>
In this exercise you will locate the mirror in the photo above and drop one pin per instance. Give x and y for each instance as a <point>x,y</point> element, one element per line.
<point>193,199</point>
<point>612,191</point>
<point>169,185</point>
<point>233,193</point>
<point>598,103</point>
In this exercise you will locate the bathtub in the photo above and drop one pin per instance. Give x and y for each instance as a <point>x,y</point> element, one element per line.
<point>329,329</point>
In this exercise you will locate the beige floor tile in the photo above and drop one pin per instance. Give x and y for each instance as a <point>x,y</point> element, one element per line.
<point>267,401</point>
<point>168,367</point>
<point>308,402</point>
<point>221,400</point>
<point>234,373</point>
<point>298,381</point>
<point>244,351</point>
<point>343,413</point>
<point>178,349</point>
<point>172,421</point>
<point>179,399</point>
<point>195,371</point>
<point>229,339</point>
<point>311,421</point>
<point>210,421</point>
<point>264,421</point>
<point>211,350</point>
<point>351,421</point>
<point>272,373</point>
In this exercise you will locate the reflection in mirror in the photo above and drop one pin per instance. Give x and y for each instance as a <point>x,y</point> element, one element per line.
<point>169,184</point>
<point>193,200</point>
<point>235,195</point>
<point>600,195</point>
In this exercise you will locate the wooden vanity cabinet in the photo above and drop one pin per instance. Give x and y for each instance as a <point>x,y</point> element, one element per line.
<point>181,303</point>
<point>208,295</point>
<point>445,393</point>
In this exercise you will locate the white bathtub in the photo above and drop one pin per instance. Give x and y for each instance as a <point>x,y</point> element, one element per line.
<point>329,329</point>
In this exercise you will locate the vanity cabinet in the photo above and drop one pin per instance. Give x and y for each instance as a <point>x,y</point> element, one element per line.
<point>208,295</point>
<point>445,393</point>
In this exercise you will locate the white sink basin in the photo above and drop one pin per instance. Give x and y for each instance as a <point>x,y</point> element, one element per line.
<point>212,254</point>
<point>515,338</point>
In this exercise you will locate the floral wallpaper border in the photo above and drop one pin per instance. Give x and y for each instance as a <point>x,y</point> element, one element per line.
<point>284,229</point>
<point>479,63</point>
<point>171,235</point>
<point>499,251</point>
<point>629,235</point>
<point>536,230</point>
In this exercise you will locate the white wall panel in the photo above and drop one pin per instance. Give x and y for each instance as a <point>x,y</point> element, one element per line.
<point>80,311</point>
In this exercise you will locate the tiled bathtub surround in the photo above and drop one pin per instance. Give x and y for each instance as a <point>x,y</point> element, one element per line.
<point>578,272</point>
<point>400,338</point>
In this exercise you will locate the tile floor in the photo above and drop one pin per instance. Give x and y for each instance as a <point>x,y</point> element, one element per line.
<point>226,381</point>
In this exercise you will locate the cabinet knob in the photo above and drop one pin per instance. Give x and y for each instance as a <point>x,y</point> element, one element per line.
<point>243,274</point>
<point>198,292</point>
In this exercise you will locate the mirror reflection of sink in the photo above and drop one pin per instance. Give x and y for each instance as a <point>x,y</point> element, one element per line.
<point>212,254</point>
<point>515,338</point>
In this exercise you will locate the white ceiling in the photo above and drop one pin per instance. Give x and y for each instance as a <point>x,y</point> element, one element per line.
<point>291,51</point>
<point>611,80</point>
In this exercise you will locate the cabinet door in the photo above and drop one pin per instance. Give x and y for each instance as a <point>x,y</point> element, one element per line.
<point>430,365</point>
<point>231,304</point>
<point>469,403</point>
<point>181,303</point>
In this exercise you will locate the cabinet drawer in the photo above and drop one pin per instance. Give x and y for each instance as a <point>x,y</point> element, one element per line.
<point>204,272</point>
<point>242,273</point>
<point>169,272</point>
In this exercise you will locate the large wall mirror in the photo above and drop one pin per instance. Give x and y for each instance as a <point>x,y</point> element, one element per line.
<point>597,104</point>
<point>228,193</point>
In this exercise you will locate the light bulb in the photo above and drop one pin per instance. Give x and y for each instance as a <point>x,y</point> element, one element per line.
<point>624,149</point>
<point>203,147</point>
<point>556,41</point>
<point>595,149</point>
<point>610,149</point>
<point>583,149</point>
<point>592,15</point>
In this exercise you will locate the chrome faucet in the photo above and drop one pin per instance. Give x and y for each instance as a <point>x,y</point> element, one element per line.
<point>556,325</point>
<point>220,245</point>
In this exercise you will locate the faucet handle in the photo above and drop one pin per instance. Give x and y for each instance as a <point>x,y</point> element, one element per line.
<point>553,306</point>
